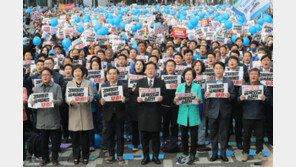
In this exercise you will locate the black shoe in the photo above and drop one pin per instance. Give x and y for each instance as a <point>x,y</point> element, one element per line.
<point>224,158</point>
<point>239,145</point>
<point>55,163</point>
<point>76,161</point>
<point>85,161</point>
<point>191,159</point>
<point>214,158</point>
<point>44,162</point>
<point>156,160</point>
<point>145,161</point>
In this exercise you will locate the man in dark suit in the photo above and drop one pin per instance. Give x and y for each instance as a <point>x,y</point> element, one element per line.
<point>149,114</point>
<point>220,112</point>
<point>114,115</point>
<point>253,116</point>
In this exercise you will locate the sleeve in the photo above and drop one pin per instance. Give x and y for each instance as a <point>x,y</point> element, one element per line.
<point>231,91</point>
<point>59,99</point>
<point>125,92</point>
<point>199,93</point>
<point>163,89</point>
<point>90,93</point>
<point>246,74</point>
<point>25,96</point>
<point>137,88</point>
<point>62,83</point>
<point>266,92</point>
<point>67,101</point>
<point>239,94</point>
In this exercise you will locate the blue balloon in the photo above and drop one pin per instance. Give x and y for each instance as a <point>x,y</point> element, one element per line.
<point>228,24</point>
<point>202,15</point>
<point>98,141</point>
<point>134,28</point>
<point>36,41</point>
<point>226,16</point>
<point>261,21</point>
<point>135,45</point>
<point>66,43</point>
<point>267,18</point>
<point>194,22</point>
<point>117,21</point>
<point>139,26</point>
<point>97,27</point>
<point>240,19</point>
<point>77,19</point>
<point>246,41</point>
<point>240,23</point>
<point>190,26</point>
<point>253,30</point>
<point>258,27</point>
<point>80,29</point>
<point>136,19</point>
<point>54,22</point>
<point>122,25</point>
<point>233,38</point>
<point>105,30</point>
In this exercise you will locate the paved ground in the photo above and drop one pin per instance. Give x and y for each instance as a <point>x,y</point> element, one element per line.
<point>98,158</point>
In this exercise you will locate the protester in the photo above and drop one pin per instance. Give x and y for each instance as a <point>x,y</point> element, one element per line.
<point>114,115</point>
<point>219,113</point>
<point>188,117</point>
<point>48,119</point>
<point>149,114</point>
<point>80,116</point>
<point>253,117</point>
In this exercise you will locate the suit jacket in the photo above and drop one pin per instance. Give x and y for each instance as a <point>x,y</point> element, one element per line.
<point>117,107</point>
<point>149,114</point>
<point>222,105</point>
<point>80,114</point>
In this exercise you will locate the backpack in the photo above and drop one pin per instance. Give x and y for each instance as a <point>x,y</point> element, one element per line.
<point>171,145</point>
<point>34,145</point>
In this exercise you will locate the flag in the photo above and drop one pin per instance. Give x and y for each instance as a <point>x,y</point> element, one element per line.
<point>249,9</point>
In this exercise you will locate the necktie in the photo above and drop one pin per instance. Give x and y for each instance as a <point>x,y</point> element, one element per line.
<point>150,83</point>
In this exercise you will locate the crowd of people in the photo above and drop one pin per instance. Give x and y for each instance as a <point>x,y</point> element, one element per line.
<point>142,46</point>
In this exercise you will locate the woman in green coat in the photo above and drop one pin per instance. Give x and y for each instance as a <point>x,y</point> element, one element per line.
<point>188,116</point>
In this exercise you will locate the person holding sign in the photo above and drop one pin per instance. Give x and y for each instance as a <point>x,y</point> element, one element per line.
<point>188,117</point>
<point>139,69</point>
<point>80,114</point>
<point>219,112</point>
<point>253,115</point>
<point>149,113</point>
<point>188,57</point>
<point>201,79</point>
<point>48,119</point>
<point>114,113</point>
<point>169,109</point>
<point>142,49</point>
<point>266,67</point>
<point>39,67</point>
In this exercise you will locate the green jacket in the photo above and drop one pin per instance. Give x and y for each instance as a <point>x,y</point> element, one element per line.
<point>190,112</point>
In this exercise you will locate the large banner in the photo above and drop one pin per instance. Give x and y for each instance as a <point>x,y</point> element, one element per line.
<point>66,6</point>
<point>87,3</point>
<point>249,9</point>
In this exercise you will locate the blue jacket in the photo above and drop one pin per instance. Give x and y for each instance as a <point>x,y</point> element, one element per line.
<point>189,113</point>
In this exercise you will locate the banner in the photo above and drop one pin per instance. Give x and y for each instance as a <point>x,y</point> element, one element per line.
<point>252,92</point>
<point>97,76</point>
<point>186,98</point>
<point>132,79</point>
<point>42,100</point>
<point>249,9</point>
<point>266,78</point>
<point>235,76</point>
<point>201,80</point>
<point>77,94</point>
<point>123,71</point>
<point>113,93</point>
<point>149,94</point>
<point>179,32</point>
<point>66,6</point>
<point>171,81</point>
<point>217,90</point>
